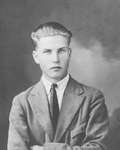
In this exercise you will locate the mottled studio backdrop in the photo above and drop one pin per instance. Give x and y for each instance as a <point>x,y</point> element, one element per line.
<point>96,51</point>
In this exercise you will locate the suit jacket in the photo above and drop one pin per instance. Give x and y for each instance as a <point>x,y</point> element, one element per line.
<point>82,122</point>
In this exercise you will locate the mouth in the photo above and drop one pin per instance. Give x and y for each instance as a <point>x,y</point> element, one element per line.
<point>56,68</point>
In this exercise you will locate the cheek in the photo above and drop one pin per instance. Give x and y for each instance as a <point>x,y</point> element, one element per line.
<point>65,61</point>
<point>44,64</point>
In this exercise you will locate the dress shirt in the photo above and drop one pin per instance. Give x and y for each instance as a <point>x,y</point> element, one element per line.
<point>61,85</point>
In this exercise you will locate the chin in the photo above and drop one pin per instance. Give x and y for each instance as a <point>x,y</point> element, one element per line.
<point>58,78</point>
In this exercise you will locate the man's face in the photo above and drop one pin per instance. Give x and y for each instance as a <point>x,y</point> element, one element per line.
<point>53,54</point>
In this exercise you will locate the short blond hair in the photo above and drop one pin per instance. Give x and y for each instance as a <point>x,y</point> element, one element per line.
<point>50,29</point>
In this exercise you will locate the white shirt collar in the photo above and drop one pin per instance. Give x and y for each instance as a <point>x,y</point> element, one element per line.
<point>60,84</point>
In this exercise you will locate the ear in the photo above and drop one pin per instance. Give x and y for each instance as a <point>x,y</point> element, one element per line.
<point>35,56</point>
<point>70,51</point>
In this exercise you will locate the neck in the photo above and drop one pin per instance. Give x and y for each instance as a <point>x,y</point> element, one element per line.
<point>53,80</point>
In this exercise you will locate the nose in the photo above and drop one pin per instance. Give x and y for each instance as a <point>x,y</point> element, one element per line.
<point>55,57</point>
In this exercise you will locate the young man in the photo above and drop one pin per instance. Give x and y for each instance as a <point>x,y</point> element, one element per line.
<point>57,113</point>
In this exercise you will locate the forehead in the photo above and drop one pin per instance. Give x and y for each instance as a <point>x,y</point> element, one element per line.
<point>52,42</point>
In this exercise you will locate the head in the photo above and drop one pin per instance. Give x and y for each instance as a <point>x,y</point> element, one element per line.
<point>52,50</point>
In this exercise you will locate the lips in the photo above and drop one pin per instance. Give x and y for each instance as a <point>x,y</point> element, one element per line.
<point>55,67</point>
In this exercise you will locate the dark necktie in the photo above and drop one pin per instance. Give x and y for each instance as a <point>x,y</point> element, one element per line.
<point>54,107</point>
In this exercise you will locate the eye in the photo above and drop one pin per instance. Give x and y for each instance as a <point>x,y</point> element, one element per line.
<point>47,51</point>
<point>63,49</point>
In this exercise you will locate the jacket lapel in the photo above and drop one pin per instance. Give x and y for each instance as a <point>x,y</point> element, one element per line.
<point>39,101</point>
<point>72,99</point>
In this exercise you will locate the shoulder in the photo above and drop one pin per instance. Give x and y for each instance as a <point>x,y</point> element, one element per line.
<point>87,90</point>
<point>23,96</point>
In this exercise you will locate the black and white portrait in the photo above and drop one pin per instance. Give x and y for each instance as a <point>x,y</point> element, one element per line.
<point>90,56</point>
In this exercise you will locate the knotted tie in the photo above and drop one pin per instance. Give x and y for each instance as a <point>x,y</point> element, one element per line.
<point>54,107</point>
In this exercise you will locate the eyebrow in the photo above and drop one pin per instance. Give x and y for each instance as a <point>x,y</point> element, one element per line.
<point>57,49</point>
